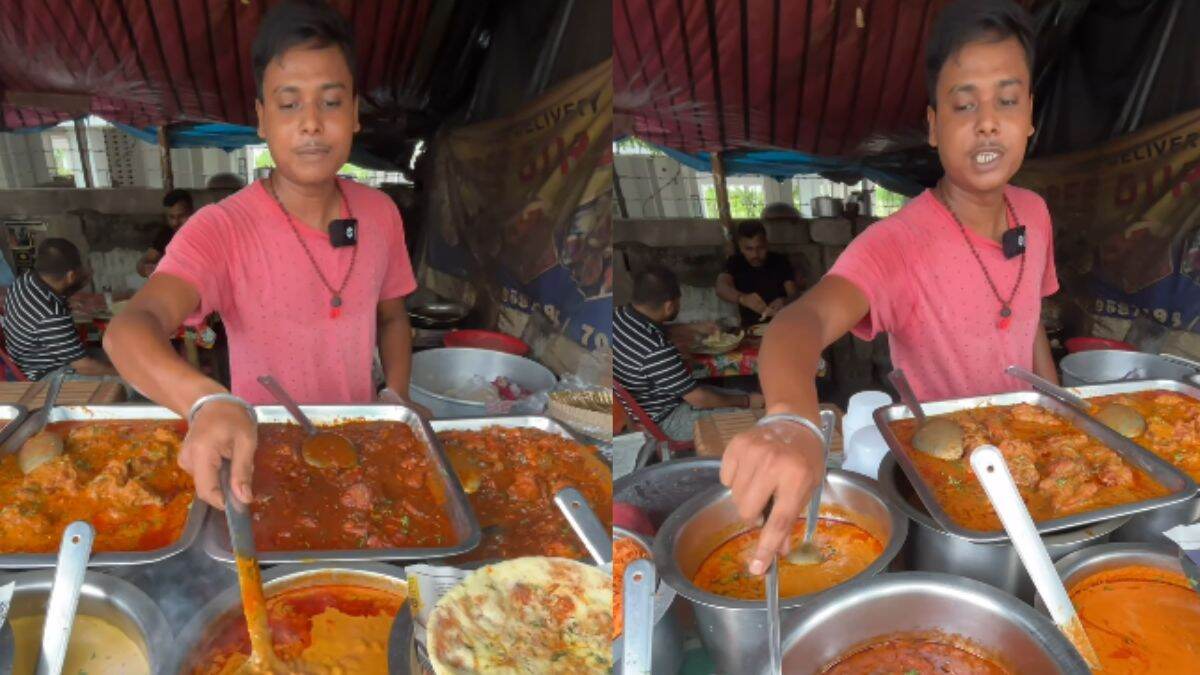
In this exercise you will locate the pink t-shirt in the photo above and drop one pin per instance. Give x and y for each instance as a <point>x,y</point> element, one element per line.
<point>928,293</point>
<point>246,262</point>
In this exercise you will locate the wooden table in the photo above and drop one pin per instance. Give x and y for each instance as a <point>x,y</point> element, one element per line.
<point>74,392</point>
<point>713,432</point>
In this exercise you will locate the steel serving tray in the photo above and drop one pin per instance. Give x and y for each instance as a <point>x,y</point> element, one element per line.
<point>100,413</point>
<point>466,526</point>
<point>1179,486</point>
<point>13,416</point>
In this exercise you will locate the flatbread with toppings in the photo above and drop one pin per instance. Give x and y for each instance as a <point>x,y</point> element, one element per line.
<point>528,615</point>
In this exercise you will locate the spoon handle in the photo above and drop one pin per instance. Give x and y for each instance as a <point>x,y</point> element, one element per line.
<point>640,582</point>
<point>287,402</point>
<point>254,603</point>
<point>73,557</point>
<point>814,502</point>
<point>989,467</point>
<point>1048,388</point>
<point>587,526</point>
<point>900,382</point>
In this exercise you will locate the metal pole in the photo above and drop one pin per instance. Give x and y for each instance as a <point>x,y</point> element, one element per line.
<point>164,154</point>
<point>718,169</point>
<point>81,141</point>
<point>616,180</point>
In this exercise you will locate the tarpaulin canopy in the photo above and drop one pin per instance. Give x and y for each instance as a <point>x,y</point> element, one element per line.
<point>147,63</point>
<point>846,79</point>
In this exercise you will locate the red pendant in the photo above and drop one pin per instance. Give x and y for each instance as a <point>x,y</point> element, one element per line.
<point>1004,322</point>
<point>335,312</point>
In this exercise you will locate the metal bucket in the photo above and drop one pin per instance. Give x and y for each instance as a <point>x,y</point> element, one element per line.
<point>1112,365</point>
<point>734,631</point>
<point>930,548</point>
<point>667,640</point>
<point>850,615</point>
<point>438,374</point>
<point>105,597</point>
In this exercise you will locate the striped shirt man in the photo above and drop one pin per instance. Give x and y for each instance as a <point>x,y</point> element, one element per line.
<point>647,364</point>
<point>38,327</point>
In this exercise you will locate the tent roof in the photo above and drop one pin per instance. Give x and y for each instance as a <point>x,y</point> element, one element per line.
<point>146,63</point>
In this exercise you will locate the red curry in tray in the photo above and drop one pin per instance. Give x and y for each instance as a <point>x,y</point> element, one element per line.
<point>123,477</point>
<point>392,499</point>
<point>511,476</point>
<point>1059,469</point>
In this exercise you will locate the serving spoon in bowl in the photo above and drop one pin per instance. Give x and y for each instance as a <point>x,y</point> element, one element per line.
<point>1116,416</point>
<point>319,448</point>
<point>939,437</point>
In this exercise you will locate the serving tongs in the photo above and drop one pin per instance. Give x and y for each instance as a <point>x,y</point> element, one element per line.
<point>1116,416</point>
<point>989,467</point>
<point>939,437</point>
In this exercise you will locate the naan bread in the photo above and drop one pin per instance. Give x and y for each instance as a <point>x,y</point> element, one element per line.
<point>528,615</point>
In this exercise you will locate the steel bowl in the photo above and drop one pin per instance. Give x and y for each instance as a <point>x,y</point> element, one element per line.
<point>438,374</point>
<point>733,631</point>
<point>1083,564</point>
<point>667,641</point>
<point>1098,366</point>
<point>919,602</point>
<point>105,597</point>
<point>930,548</point>
<point>195,640</point>
<point>658,490</point>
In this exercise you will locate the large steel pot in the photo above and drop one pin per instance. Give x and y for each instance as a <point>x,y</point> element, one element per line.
<point>1083,564</point>
<point>932,549</point>
<point>105,597</point>
<point>914,602</point>
<point>1148,527</point>
<point>195,640</point>
<point>827,207</point>
<point>1111,365</point>
<point>733,631</point>
<point>667,641</point>
<point>438,374</point>
<point>658,490</point>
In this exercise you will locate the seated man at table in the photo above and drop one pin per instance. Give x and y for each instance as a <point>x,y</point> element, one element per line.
<point>38,327</point>
<point>652,369</point>
<point>760,282</point>
<point>177,208</point>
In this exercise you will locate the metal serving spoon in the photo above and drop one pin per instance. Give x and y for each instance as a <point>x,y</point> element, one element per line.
<point>939,437</point>
<point>319,448</point>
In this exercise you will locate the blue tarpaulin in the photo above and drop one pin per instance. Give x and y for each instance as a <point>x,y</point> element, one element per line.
<point>783,164</point>
<point>214,135</point>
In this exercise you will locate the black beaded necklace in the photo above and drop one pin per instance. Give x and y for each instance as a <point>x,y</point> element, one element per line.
<point>335,301</point>
<point>1005,304</point>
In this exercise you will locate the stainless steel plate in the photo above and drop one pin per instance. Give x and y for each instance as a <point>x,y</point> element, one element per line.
<point>466,526</point>
<point>1180,488</point>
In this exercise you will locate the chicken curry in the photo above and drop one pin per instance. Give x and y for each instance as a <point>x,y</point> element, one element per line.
<point>1172,426</point>
<point>511,476</point>
<point>123,477</point>
<point>1059,470</point>
<point>393,498</point>
<point>917,655</point>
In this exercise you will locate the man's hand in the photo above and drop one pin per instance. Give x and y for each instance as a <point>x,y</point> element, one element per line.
<point>773,308</point>
<point>389,396</point>
<point>221,430</point>
<point>753,302</point>
<point>781,459</point>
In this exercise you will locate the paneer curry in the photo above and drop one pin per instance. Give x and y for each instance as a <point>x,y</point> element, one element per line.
<point>122,477</point>
<point>1059,469</point>
<point>321,630</point>
<point>1172,426</point>
<point>511,476</point>
<point>846,550</point>
<point>393,498</point>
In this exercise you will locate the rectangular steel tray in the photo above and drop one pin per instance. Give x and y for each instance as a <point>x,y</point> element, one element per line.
<point>15,416</point>
<point>540,422</point>
<point>466,525</point>
<point>1180,487</point>
<point>82,413</point>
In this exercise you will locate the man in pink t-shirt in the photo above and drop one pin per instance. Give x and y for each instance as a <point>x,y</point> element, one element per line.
<point>308,272</point>
<point>956,278</point>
